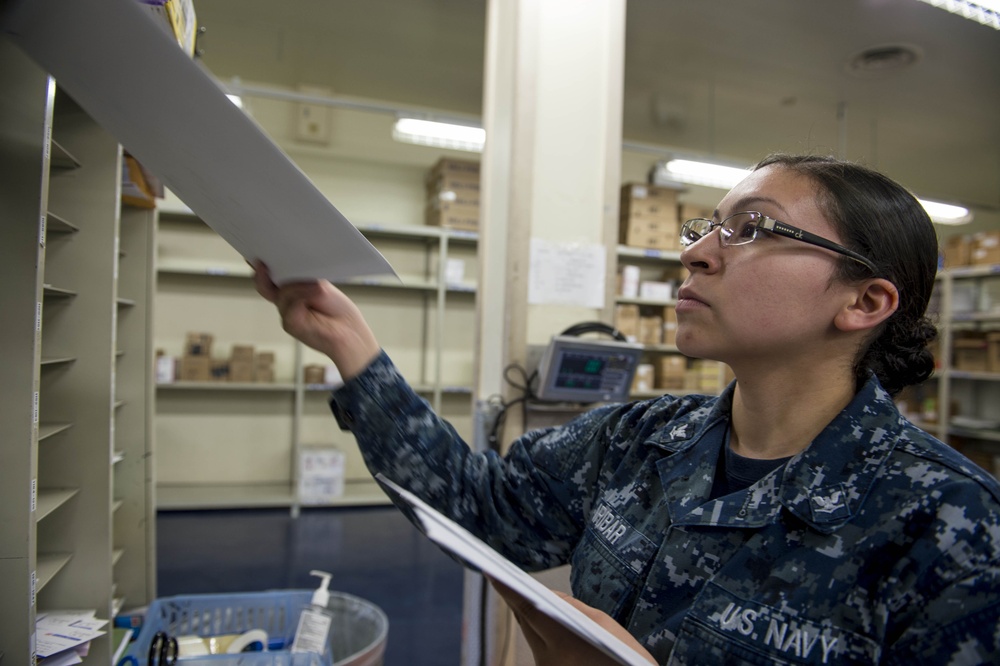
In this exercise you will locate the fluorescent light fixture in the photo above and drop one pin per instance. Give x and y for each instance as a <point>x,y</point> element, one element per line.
<point>699,173</point>
<point>943,213</point>
<point>439,135</point>
<point>986,12</point>
<point>237,100</point>
<point>725,177</point>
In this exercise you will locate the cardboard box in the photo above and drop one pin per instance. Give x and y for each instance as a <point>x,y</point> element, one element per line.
<point>957,251</point>
<point>448,168</point>
<point>707,375</point>
<point>993,351</point>
<point>264,360</point>
<point>242,353</point>
<point>452,216</point>
<point>643,209</point>
<point>455,201</point>
<point>687,212</point>
<point>198,344</point>
<point>985,248</point>
<point>263,374</point>
<point>971,353</point>
<point>670,326</point>
<point>136,188</point>
<point>627,321</point>
<point>461,187</point>
<point>241,370</point>
<point>195,369</point>
<point>651,330</point>
<point>649,233</point>
<point>648,217</point>
<point>670,372</point>
<point>314,374</point>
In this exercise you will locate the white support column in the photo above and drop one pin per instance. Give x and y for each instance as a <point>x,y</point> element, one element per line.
<point>551,168</point>
<point>552,109</point>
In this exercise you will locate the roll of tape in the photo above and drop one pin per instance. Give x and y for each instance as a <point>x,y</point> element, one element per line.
<point>246,639</point>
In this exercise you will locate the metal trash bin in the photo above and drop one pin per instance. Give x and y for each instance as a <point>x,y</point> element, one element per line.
<point>359,631</point>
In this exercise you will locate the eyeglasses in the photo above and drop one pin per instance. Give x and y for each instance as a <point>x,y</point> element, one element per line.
<point>741,228</point>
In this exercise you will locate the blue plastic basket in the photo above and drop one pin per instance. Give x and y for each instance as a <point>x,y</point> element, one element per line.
<point>358,633</point>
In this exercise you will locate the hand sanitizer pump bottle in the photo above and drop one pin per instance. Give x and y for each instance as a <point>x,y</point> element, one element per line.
<point>313,632</point>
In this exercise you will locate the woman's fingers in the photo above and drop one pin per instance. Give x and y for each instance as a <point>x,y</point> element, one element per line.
<point>262,281</point>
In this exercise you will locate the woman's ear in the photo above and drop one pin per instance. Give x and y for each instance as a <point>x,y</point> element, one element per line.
<point>873,302</point>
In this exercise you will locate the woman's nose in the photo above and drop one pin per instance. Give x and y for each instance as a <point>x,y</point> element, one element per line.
<point>704,253</point>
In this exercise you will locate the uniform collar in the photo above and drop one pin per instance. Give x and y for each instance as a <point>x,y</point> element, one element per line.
<point>826,484</point>
<point>694,439</point>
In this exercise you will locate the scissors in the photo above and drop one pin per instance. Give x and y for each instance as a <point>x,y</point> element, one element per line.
<point>162,650</point>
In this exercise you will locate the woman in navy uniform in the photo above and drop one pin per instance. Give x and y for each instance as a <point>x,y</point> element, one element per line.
<point>795,518</point>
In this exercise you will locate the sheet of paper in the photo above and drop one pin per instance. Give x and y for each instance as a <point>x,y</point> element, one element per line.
<point>54,634</point>
<point>567,273</point>
<point>166,110</point>
<point>459,542</point>
<point>67,658</point>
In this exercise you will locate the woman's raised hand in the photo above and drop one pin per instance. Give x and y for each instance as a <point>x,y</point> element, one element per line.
<point>322,317</point>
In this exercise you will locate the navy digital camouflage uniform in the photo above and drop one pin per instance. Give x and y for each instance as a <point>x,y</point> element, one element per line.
<point>877,544</point>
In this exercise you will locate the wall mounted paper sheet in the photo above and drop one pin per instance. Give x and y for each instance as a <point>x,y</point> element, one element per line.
<point>567,273</point>
<point>459,542</point>
<point>165,109</point>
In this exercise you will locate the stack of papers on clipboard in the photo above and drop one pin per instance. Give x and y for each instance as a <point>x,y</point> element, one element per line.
<point>477,555</point>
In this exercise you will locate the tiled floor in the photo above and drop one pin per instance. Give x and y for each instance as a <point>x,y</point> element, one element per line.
<point>373,553</point>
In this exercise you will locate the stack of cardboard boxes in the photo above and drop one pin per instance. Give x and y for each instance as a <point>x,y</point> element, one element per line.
<point>703,376</point>
<point>321,375</point>
<point>669,372</point>
<point>263,367</point>
<point>197,364</point>
<point>242,364</point>
<point>976,351</point>
<point>648,217</point>
<point>647,325</point>
<point>453,195</point>
<point>651,217</point>
<point>979,249</point>
<point>673,372</point>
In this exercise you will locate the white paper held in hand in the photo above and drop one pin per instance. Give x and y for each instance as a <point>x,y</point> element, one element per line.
<point>167,111</point>
<point>460,542</point>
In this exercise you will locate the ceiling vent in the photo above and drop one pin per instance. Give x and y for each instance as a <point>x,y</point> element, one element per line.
<point>883,60</point>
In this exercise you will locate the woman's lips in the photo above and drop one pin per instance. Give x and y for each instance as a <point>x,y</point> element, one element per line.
<point>689,300</point>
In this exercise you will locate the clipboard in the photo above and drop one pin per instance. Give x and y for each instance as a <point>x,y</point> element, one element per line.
<point>476,555</point>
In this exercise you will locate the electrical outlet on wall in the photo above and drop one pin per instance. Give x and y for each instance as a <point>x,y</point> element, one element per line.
<point>313,122</point>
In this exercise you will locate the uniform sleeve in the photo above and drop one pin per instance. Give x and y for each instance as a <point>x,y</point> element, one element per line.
<point>529,505</point>
<point>953,614</point>
<point>969,636</point>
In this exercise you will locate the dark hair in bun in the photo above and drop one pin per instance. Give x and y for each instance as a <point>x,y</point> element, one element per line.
<point>880,219</point>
